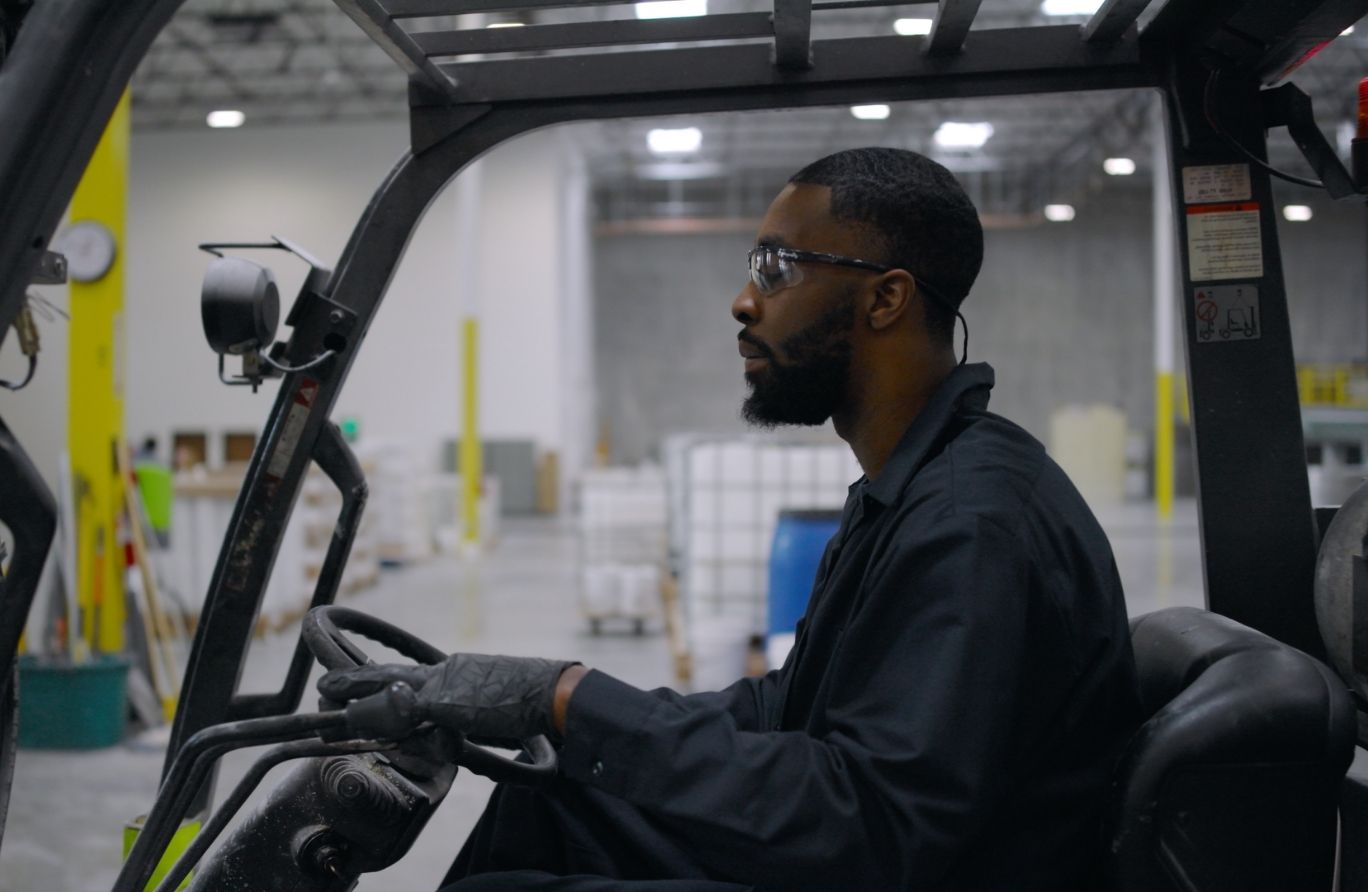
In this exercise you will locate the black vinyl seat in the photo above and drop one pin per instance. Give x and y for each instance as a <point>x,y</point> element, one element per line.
<point>1232,784</point>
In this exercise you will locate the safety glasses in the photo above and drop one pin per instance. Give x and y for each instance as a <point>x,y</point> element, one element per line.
<point>773,268</point>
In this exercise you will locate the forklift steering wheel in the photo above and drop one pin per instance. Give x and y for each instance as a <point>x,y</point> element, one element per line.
<point>323,631</point>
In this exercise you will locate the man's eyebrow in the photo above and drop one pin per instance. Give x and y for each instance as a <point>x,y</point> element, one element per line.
<point>770,240</point>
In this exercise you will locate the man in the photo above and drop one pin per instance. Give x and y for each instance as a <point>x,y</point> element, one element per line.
<point>962,681</point>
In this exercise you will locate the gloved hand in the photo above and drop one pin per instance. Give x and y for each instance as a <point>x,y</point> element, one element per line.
<point>484,697</point>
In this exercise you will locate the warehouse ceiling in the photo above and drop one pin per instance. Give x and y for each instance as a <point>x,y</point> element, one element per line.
<point>305,61</point>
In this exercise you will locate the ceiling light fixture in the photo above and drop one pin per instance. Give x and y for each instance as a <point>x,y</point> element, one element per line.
<point>912,27</point>
<point>870,112</point>
<point>680,170</point>
<point>1070,7</point>
<point>225,118</point>
<point>1059,213</point>
<point>505,24</point>
<point>1296,213</point>
<point>962,135</point>
<point>1119,167</point>
<point>671,9</point>
<point>664,141</point>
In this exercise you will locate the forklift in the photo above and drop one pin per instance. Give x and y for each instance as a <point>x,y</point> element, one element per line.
<point>1251,772</point>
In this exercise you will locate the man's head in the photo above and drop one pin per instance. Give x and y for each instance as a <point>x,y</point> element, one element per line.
<point>859,269</point>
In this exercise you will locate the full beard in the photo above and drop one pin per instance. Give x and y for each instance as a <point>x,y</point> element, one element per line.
<point>811,384</point>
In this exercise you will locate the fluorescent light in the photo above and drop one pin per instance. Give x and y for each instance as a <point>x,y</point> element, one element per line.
<point>666,142</point>
<point>505,24</point>
<point>225,118</point>
<point>1347,31</point>
<point>1296,213</point>
<point>912,27</point>
<point>671,9</point>
<point>1059,213</point>
<point>869,112</point>
<point>680,170</point>
<point>1119,167</point>
<point>961,135</point>
<point>1070,7</point>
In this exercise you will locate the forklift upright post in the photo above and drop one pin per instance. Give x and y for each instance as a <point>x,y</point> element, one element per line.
<point>1258,532</point>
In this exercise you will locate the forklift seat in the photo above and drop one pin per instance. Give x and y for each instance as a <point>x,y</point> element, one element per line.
<point>1234,781</point>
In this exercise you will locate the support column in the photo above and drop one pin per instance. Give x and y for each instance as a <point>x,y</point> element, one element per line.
<point>1165,297</point>
<point>472,469</point>
<point>95,404</point>
<point>467,254</point>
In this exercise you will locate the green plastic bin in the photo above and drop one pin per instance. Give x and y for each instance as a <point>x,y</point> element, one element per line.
<point>157,488</point>
<point>63,705</point>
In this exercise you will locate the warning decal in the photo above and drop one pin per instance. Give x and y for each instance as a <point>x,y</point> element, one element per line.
<point>293,428</point>
<point>1224,242</point>
<point>1227,313</point>
<point>1216,182</point>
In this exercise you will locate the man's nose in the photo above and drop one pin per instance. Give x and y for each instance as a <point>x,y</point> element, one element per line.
<point>745,308</point>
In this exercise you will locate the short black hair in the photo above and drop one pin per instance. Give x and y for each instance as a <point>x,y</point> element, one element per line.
<point>921,213</point>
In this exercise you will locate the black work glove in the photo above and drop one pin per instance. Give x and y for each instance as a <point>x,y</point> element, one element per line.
<point>490,698</point>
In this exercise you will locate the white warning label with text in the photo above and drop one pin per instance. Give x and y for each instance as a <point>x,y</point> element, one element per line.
<point>1224,242</point>
<point>1216,182</point>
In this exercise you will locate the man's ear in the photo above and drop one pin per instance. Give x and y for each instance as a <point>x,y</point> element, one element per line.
<point>893,298</point>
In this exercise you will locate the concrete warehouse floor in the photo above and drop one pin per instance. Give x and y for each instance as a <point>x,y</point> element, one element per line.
<point>68,809</point>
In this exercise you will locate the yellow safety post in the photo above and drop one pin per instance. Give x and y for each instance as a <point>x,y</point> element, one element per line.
<point>471,469</point>
<point>1165,299</point>
<point>1163,443</point>
<point>95,403</point>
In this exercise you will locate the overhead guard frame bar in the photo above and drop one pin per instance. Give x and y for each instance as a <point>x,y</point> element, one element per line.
<point>1112,19</point>
<point>951,26</point>
<point>792,34</point>
<point>574,35</point>
<point>372,18</point>
<point>996,62</point>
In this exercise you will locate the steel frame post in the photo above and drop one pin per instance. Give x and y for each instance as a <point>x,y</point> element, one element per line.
<point>28,509</point>
<point>1257,529</point>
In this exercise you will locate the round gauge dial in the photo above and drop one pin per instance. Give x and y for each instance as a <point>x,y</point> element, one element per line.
<point>90,249</point>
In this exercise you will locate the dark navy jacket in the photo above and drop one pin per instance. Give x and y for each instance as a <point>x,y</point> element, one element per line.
<point>960,687</point>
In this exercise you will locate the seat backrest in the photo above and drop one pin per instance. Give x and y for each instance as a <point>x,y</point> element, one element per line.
<point>1233,782</point>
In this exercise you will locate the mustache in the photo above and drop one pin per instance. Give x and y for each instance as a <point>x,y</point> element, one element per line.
<point>755,342</point>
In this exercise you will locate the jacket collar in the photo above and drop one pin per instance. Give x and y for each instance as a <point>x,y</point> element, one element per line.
<point>966,387</point>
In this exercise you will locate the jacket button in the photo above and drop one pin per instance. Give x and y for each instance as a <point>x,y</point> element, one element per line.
<point>596,769</point>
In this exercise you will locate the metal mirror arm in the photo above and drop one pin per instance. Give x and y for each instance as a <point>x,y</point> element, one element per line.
<point>1287,106</point>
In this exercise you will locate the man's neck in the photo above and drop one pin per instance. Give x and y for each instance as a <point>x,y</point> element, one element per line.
<point>884,407</point>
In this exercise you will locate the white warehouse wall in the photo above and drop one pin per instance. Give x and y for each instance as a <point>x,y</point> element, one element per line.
<point>310,184</point>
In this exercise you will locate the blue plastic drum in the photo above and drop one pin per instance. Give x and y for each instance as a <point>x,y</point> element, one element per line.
<point>799,540</point>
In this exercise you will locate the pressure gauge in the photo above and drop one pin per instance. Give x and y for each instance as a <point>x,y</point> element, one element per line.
<point>90,249</point>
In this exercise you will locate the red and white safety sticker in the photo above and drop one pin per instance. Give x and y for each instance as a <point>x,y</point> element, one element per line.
<point>292,429</point>
<point>1224,241</point>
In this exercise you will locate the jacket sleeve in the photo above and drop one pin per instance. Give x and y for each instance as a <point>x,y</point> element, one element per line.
<point>923,695</point>
<point>748,701</point>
